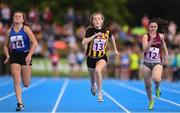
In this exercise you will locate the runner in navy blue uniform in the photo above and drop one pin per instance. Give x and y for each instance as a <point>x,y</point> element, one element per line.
<point>20,53</point>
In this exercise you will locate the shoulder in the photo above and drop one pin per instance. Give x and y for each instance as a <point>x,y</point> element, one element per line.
<point>145,36</point>
<point>8,33</point>
<point>161,36</point>
<point>89,29</point>
<point>9,30</point>
<point>26,29</point>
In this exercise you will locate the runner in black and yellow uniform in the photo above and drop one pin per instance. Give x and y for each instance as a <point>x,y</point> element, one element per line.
<point>96,40</point>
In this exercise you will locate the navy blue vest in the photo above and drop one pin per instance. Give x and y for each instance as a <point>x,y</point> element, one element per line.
<point>19,40</point>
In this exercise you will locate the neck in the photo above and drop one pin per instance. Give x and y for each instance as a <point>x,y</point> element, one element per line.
<point>97,27</point>
<point>152,33</point>
<point>18,26</point>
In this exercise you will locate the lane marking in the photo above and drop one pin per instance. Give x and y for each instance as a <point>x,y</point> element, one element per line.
<point>144,93</point>
<point>60,95</point>
<point>24,89</point>
<point>115,101</point>
<point>171,90</point>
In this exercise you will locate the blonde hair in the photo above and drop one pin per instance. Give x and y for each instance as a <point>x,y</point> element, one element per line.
<point>91,18</point>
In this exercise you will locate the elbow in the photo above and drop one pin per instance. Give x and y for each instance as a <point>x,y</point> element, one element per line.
<point>35,44</point>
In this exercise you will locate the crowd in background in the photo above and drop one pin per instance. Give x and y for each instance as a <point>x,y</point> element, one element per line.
<point>71,32</point>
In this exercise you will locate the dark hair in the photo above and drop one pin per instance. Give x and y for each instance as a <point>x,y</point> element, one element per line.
<point>154,20</point>
<point>162,24</point>
<point>92,15</point>
<point>24,17</point>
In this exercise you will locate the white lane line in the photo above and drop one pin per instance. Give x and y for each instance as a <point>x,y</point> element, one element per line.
<point>60,95</point>
<point>144,93</point>
<point>171,90</point>
<point>116,102</point>
<point>24,89</point>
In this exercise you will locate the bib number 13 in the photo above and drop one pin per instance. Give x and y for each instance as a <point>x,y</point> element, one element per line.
<point>99,44</point>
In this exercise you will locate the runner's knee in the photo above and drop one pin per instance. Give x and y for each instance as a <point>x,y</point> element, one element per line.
<point>98,72</point>
<point>156,79</point>
<point>26,84</point>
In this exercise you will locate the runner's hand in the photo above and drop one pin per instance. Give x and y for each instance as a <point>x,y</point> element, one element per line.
<point>99,34</point>
<point>28,60</point>
<point>6,60</point>
<point>116,53</point>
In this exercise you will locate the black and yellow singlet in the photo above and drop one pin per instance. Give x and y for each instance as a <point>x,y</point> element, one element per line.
<point>98,46</point>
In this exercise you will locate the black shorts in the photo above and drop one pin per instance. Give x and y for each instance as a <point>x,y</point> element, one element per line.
<point>151,65</point>
<point>91,62</point>
<point>18,58</point>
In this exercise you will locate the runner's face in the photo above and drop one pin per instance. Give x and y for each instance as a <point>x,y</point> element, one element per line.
<point>153,27</point>
<point>97,21</point>
<point>18,18</point>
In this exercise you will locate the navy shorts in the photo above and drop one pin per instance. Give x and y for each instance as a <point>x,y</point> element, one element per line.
<point>18,58</point>
<point>91,62</point>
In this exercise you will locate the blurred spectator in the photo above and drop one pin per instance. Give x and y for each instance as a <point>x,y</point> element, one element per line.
<point>168,71</point>
<point>70,16</point>
<point>54,57</point>
<point>134,63</point>
<point>176,74</point>
<point>33,15</point>
<point>124,62</point>
<point>145,21</point>
<point>80,57</point>
<point>47,15</point>
<point>172,30</point>
<point>71,58</point>
<point>111,63</point>
<point>80,32</point>
<point>58,31</point>
<point>5,14</point>
<point>69,35</point>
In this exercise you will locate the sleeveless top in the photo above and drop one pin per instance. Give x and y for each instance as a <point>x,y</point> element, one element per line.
<point>19,41</point>
<point>153,55</point>
<point>97,48</point>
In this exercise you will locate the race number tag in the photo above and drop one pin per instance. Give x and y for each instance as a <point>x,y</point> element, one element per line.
<point>99,44</point>
<point>17,42</point>
<point>153,54</point>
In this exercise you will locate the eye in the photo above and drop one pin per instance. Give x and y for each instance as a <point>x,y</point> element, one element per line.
<point>153,26</point>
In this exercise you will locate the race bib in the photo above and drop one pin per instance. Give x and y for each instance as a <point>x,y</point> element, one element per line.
<point>17,42</point>
<point>152,55</point>
<point>99,44</point>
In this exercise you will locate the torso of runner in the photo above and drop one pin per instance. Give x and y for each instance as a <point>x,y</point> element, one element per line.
<point>19,41</point>
<point>154,53</point>
<point>98,46</point>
